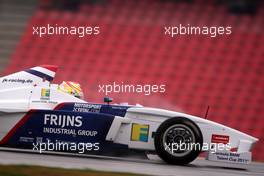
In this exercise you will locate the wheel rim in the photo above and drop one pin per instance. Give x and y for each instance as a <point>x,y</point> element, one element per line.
<point>178,135</point>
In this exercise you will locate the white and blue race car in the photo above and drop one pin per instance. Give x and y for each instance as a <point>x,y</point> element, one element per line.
<point>34,112</point>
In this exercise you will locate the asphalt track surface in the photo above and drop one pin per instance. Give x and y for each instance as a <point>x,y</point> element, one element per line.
<point>199,167</point>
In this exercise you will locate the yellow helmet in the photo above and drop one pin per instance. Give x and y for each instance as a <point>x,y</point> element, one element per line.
<point>72,88</point>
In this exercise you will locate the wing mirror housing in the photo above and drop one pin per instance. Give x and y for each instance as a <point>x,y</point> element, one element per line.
<point>108,100</point>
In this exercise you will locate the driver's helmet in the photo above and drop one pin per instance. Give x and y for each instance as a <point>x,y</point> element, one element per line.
<point>72,88</point>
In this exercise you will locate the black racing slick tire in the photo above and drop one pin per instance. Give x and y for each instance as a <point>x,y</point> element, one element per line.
<point>176,132</point>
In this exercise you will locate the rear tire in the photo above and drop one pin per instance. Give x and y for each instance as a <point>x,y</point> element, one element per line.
<point>174,132</point>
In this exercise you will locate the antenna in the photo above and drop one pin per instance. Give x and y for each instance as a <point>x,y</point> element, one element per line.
<point>206,114</point>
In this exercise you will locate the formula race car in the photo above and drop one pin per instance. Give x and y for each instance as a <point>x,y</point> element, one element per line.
<point>38,115</point>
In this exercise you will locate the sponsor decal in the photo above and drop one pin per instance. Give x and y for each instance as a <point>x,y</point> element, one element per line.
<point>62,120</point>
<point>17,80</point>
<point>45,101</point>
<point>72,132</point>
<point>26,139</point>
<point>217,138</point>
<point>45,94</point>
<point>139,132</point>
<point>85,107</point>
<point>64,125</point>
<point>239,158</point>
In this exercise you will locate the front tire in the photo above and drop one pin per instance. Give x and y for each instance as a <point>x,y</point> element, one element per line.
<point>175,133</point>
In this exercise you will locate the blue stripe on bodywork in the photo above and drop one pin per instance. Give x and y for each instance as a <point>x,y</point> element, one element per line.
<point>39,74</point>
<point>33,128</point>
